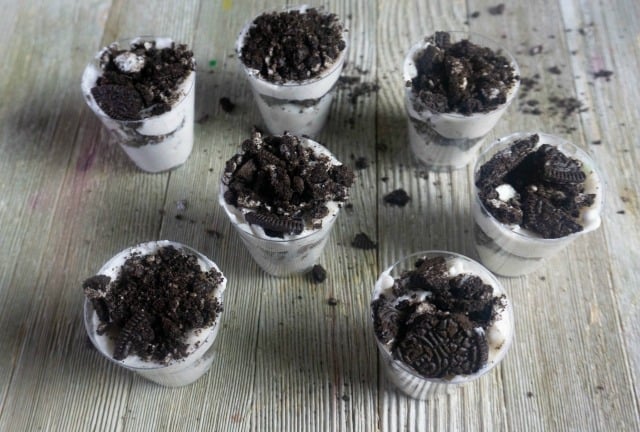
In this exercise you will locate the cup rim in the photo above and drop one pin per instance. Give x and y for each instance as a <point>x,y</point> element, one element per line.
<point>94,66</point>
<point>255,73</point>
<point>408,63</point>
<point>486,275</point>
<point>560,143</point>
<point>205,343</point>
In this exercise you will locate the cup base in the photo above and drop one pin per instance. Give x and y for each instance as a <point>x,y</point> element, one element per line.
<point>438,153</point>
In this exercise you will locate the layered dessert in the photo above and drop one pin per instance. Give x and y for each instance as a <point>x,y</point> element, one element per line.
<point>143,92</point>
<point>293,60</point>
<point>458,85</point>
<point>534,194</point>
<point>155,309</point>
<point>283,194</point>
<point>440,320</point>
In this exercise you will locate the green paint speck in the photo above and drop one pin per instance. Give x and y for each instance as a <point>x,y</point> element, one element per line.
<point>213,63</point>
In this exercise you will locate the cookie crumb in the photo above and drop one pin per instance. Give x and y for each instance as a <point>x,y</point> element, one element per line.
<point>226,105</point>
<point>398,197</point>
<point>318,274</point>
<point>363,241</point>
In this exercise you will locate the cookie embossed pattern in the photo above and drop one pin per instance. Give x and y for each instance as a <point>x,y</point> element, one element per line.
<point>155,309</point>
<point>534,194</point>
<point>440,320</point>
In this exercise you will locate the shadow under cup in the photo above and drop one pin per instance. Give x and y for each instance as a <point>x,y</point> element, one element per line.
<point>450,141</point>
<point>513,251</point>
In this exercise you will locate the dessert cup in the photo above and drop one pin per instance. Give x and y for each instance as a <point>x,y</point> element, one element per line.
<point>294,253</point>
<point>297,107</point>
<point>174,373</point>
<point>448,140</point>
<point>499,335</point>
<point>511,250</point>
<point>155,143</point>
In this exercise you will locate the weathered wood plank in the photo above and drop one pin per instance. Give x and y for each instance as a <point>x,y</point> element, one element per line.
<point>286,359</point>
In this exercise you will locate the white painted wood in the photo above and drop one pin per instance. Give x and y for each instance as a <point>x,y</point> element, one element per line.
<point>286,359</point>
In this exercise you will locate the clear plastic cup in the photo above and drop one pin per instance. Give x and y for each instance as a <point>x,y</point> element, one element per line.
<point>450,141</point>
<point>156,143</point>
<point>499,335</point>
<point>510,250</point>
<point>297,107</point>
<point>176,373</point>
<point>294,253</point>
<point>283,257</point>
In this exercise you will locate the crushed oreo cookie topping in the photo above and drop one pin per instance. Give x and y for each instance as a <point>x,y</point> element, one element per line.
<point>154,302</point>
<point>141,81</point>
<point>292,45</point>
<point>460,77</point>
<point>435,323</point>
<point>284,185</point>
<point>535,186</point>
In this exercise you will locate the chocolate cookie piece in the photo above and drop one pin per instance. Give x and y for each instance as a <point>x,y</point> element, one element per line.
<point>398,197</point>
<point>542,217</point>
<point>460,77</point>
<point>292,45</point>
<point>441,345</point>
<point>274,224</point>
<point>363,241</point>
<point>493,172</point>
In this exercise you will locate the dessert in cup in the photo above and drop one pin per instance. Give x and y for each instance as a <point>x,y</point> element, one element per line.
<point>440,320</point>
<point>143,92</point>
<point>458,85</point>
<point>535,193</point>
<point>155,309</point>
<point>293,59</point>
<point>282,195</point>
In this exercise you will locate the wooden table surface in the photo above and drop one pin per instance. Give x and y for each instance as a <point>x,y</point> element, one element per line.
<point>286,359</point>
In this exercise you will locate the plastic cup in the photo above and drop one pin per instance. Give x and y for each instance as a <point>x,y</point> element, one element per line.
<point>294,253</point>
<point>510,250</point>
<point>450,141</point>
<point>156,143</point>
<point>297,107</point>
<point>175,373</point>
<point>499,335</point>
<point>280,257</point>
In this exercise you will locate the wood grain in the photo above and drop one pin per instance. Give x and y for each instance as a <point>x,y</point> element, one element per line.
<point>287,358</point>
